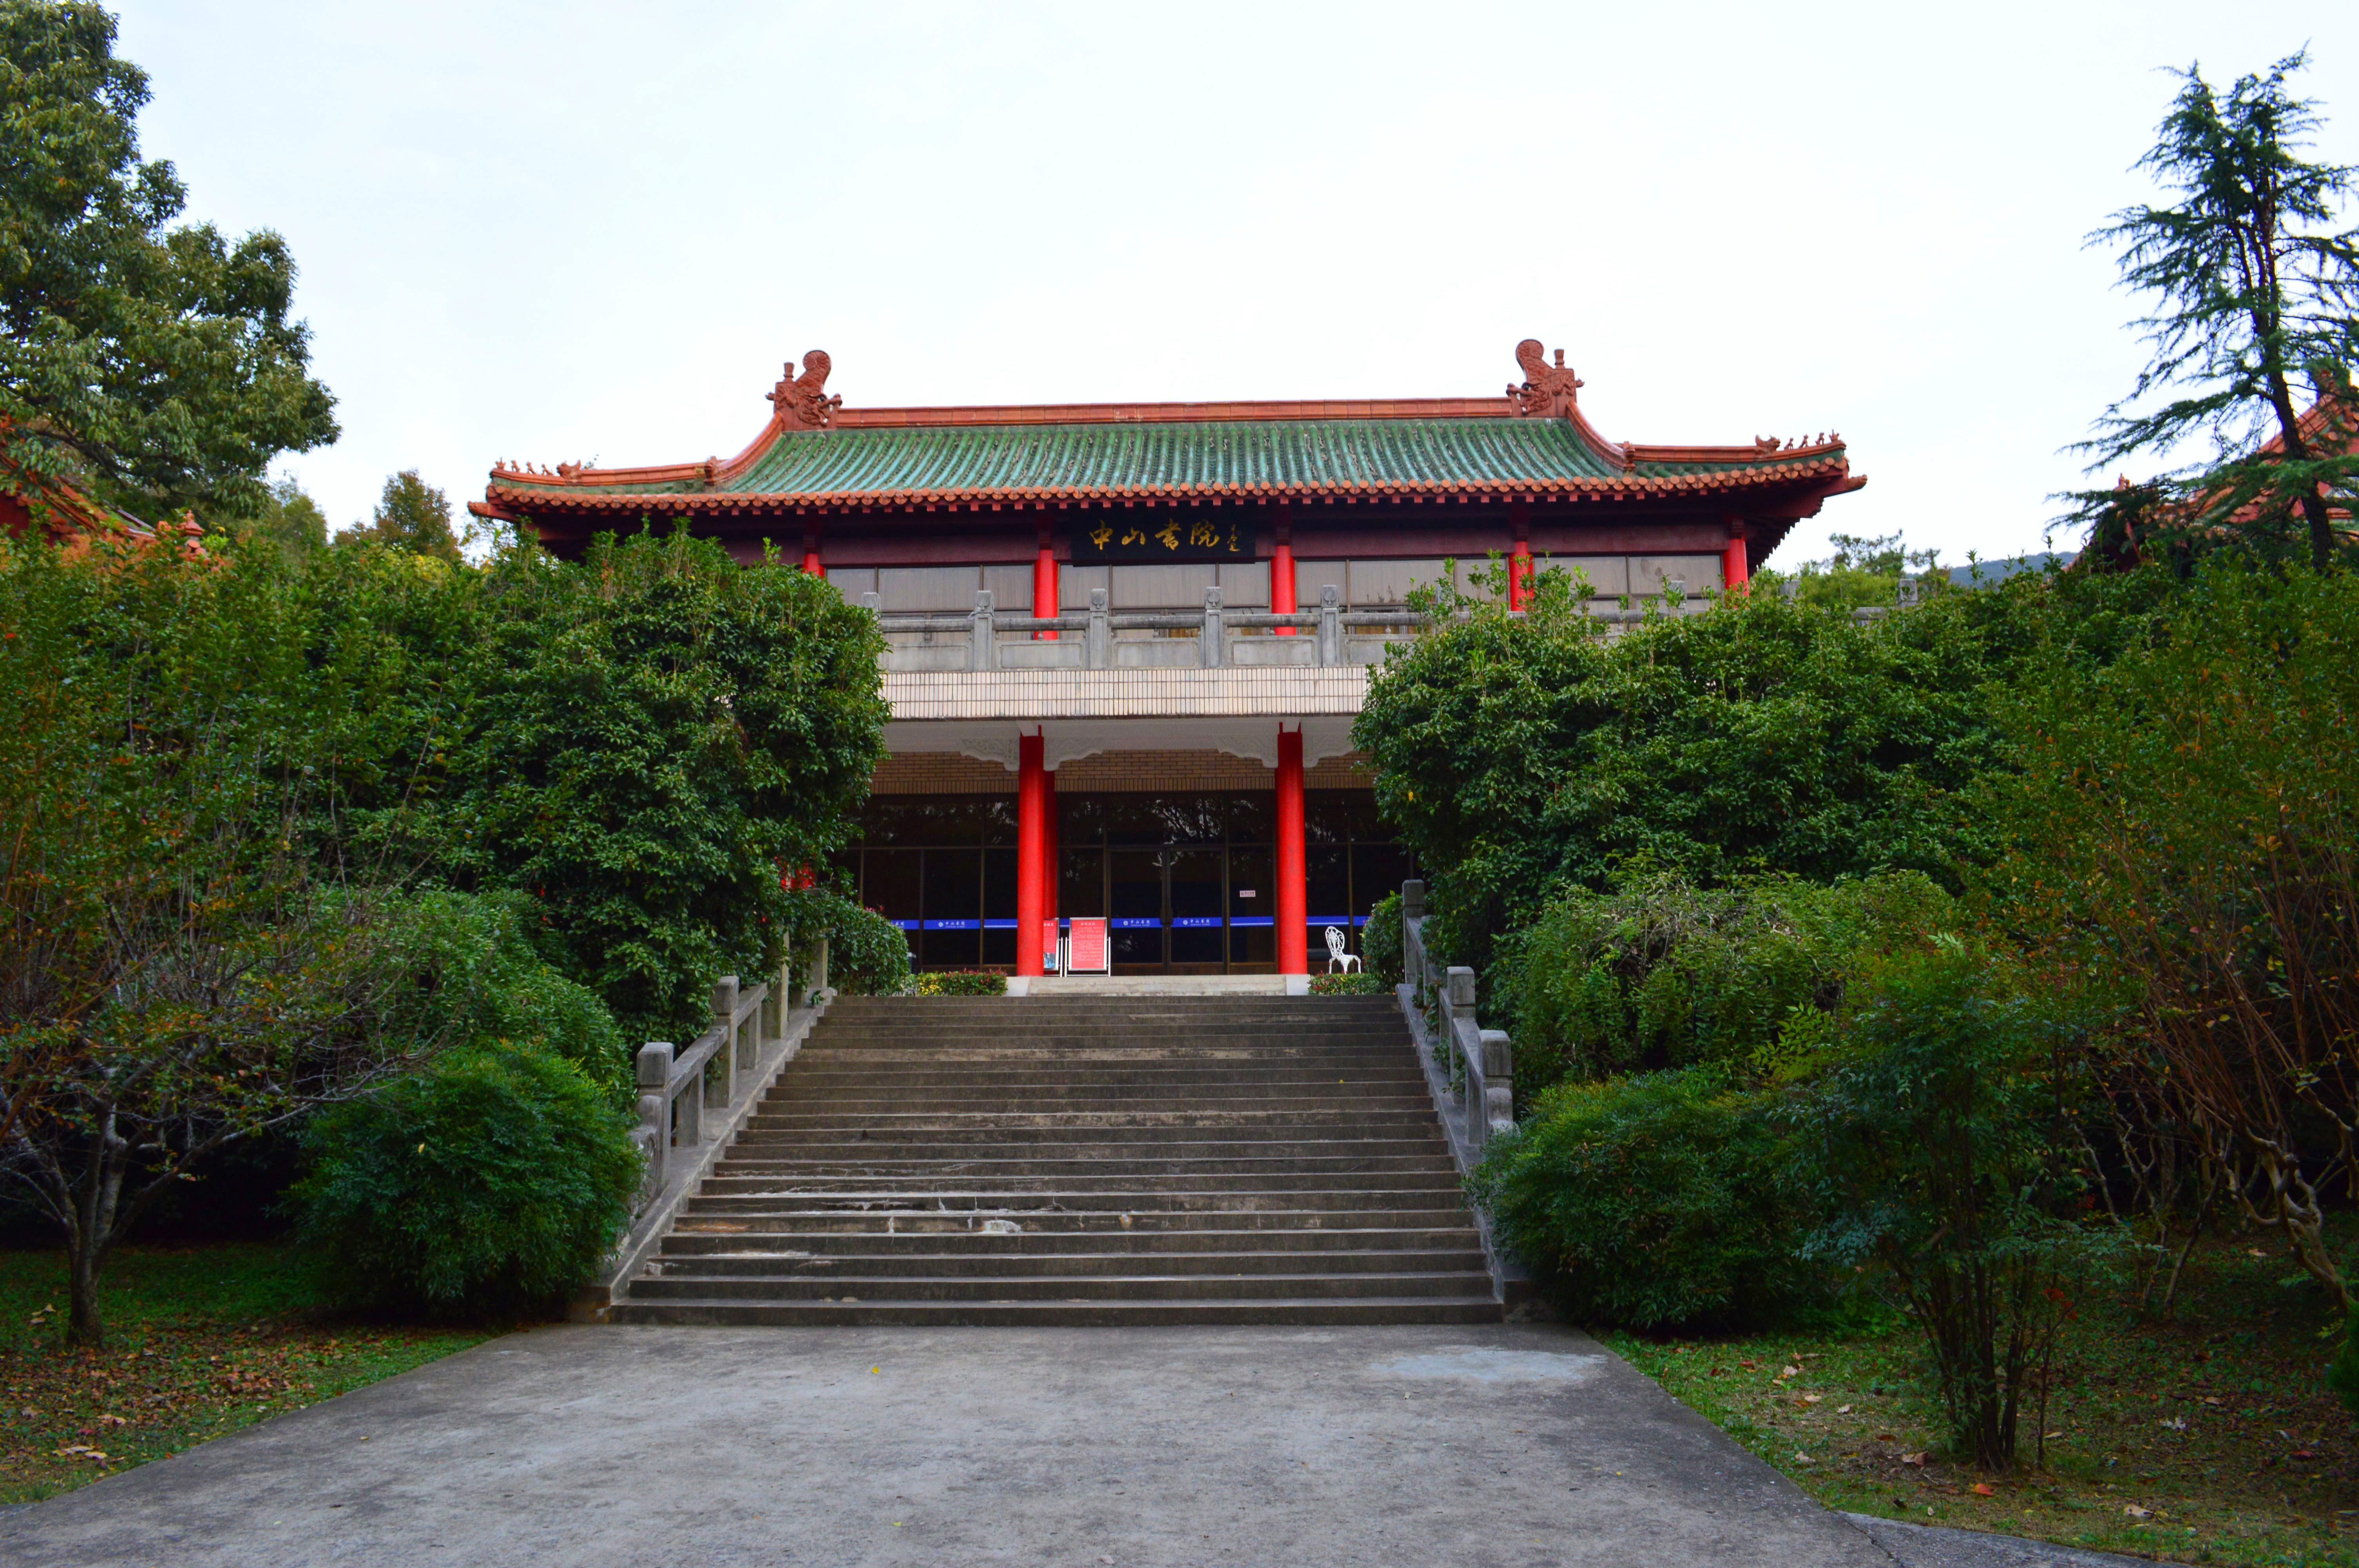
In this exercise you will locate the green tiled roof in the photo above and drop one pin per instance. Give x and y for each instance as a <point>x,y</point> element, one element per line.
<point>1110,455</point>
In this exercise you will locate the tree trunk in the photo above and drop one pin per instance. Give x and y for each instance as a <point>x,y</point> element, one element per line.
<point>83,1325</point>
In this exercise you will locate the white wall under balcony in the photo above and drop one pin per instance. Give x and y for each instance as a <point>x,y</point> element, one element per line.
<point>981,713</point>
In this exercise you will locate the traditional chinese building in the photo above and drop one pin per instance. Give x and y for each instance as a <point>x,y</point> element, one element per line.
<point>1128,639</point>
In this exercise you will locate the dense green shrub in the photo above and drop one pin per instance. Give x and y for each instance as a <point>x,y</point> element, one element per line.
<point>1380,940</point>
<point>1523,756</point>
<point>1664,973</point>
<point>960,983</point>
<point>497,1179</point>
<point>657,734</point>
<point>867,955</point>
<point>1356,982</point>
<point>466,974</point>
<point>1650,1200</point>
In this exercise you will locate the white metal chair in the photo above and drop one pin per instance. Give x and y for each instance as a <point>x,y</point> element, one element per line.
<point>1336,953</point>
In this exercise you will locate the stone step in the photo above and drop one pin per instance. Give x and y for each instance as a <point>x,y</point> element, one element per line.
<point>1197,1142</point>
<point>1133,1199</point>
<point>735,1217</point>
<point>937,1167</point>
<point>1143,1222</point>
<point>1061,1288</point>
<point>1082,1160</point>
<point>939,1263</point>
<point>968,1186</point>
<point>1110,1242</point>
<point>907,1123</point>
<point>878,1314</point>
<point>1334,1103</point>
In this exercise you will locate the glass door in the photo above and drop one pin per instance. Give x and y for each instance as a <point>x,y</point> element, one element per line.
<point>1194,896</point>
<point>1135,883</point>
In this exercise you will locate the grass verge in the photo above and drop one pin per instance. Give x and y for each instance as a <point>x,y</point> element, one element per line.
<point>2206,1438</point>
<point>201,1341</point>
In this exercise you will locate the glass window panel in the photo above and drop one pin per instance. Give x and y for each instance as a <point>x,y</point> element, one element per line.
<point>953,908</point>
<point>892,883</point>
<point>1081,818</point>
<point>935,588</point>
<point>1377,869</point>
<point>1329,890</point>
<point>1253,819</point>
<point>999,884</point>
<point>1081,883</point>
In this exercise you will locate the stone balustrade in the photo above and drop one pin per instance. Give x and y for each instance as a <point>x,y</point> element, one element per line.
<point>1470,1069</point>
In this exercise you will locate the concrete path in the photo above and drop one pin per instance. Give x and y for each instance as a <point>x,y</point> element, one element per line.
<point>1277,1448</point>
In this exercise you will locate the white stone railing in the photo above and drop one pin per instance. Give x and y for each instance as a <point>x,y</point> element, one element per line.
<point>1470,1070</point>
<point>692,1103</point>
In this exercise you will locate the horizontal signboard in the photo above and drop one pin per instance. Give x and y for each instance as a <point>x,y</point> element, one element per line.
<point>1151,536</point>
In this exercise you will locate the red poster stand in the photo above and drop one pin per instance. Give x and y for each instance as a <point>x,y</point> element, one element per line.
<point>1085,948</point>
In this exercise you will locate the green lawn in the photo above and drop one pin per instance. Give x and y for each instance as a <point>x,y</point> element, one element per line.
<point>202,1341</point>
<point>2207,1439</point>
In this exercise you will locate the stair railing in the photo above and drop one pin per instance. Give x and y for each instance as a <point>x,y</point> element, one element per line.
<point>1468,1069</point>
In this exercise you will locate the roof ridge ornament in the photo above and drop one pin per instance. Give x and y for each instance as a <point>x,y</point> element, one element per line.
<point>1553,391</point>
<point>801,401</point>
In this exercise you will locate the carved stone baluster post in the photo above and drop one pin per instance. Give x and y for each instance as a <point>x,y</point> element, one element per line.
<point>1210,654</point>
<point>1330,624</point>
<point>654,1134</point>
<point>984,648</point>
<point>724,1004</point>
<point>1099,649</point>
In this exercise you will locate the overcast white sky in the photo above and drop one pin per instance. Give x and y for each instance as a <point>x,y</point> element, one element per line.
<point>595,231</point>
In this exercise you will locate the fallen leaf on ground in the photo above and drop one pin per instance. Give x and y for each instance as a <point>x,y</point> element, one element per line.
<point>2134,1512</point>
<point>1842,1410</point>
<point>1915,1459</point>
<point>1813,1399</point>
<point>1984,1489</point>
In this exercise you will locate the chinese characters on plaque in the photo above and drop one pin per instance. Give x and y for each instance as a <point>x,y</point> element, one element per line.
<point>1165,536</point>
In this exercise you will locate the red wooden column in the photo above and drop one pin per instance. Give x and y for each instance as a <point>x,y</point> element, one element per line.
<point>1293,868</point>
<point>1049,858</point>
<point>811,553</point>
<point>1281,583</point>
<point>1044,588</point>
<point>1735,573</point>
<point>1031,848</point>
<point>1519,560</point>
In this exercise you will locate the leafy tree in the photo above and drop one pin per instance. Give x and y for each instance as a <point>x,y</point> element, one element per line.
<point>175,975</point>
<point>285,517</point>
<point>658,734</point>
<point>411,515</point>
<point>2186,830</point>
<point>158,365</point>
<point>1938,1149</point>
<point>2254,288</point>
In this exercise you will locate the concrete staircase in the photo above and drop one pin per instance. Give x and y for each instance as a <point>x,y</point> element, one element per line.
<point>1082,1160</point>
